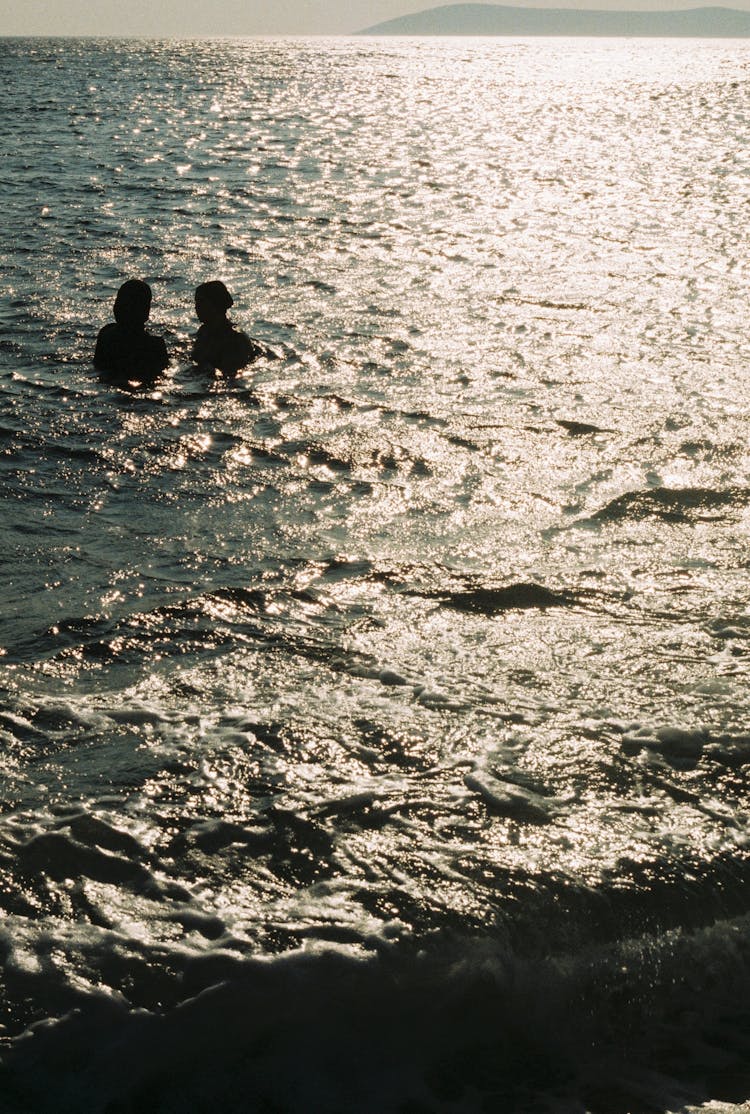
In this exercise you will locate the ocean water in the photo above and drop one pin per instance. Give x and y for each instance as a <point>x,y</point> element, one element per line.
<point>375,726</point>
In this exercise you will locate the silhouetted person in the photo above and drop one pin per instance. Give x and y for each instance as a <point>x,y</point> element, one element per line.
<point>123,348</point>
<point>218,344</point>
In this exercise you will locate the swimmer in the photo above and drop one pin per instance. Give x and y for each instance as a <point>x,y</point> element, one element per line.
<point>124,348</point>
<point>218,344</point>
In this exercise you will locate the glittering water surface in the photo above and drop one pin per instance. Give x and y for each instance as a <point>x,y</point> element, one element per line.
<point>375,726</point>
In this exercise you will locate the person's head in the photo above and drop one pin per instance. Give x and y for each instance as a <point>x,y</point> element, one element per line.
<point>133,303</point>
<point>212,300</point>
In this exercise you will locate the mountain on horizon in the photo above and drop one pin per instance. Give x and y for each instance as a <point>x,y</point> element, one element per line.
<point>495,19</point>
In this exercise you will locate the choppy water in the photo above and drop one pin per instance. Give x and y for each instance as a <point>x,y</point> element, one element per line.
<point>375,727</point>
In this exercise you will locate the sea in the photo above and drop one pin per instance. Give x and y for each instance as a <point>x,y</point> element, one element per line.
<point>375,724</point>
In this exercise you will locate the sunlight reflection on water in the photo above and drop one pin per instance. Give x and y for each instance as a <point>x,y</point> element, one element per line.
<point>434,626</point>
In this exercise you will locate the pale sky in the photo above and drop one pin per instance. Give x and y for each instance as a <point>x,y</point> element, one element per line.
<point>188,18</point>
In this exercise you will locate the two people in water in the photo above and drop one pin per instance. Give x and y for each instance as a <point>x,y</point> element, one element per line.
<point>125,350</point>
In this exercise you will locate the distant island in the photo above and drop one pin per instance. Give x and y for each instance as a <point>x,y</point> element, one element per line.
<point>494,19</point>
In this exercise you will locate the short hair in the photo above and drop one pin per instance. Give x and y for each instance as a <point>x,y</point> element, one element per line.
<point>216,293</point>
<point>133,303</point>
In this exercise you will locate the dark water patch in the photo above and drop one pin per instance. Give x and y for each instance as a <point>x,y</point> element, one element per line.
<point>417,416</point>
<point>406,749</point>
<point>554,913</point>
<point>130,640</point>
<point>40,406</point>
<point>324,287</point>
<point>11,349</point>
<point>462,442</point>
<point>340,569</point>
<point>543,303</point>
<point>510,801</point>
<point>20,728</point>
<point>346,458</point>
<point>685,504</point>
<point>27,488</point>
<point>686,893</point>
<point>263,454</point>
<point>59,856</point>
<point>300,850</point>
<point>734,632</point>
<point>254,599</point>
<point>357,811</point>
<point>702,448</point>
<point>226,619</point>
<point>94,831</point>
<point>729,749</point>
<point>28,452</point>
<point>509,597</point>
<point>580,429</point>
<point>316,453</point>
<point>295,850</point>
<point>481,436</point>
<point>674,757</point>
<point>462,1025</point>
<point>681,747</point>
<point>465,594</point>
<point>216,834</point>
<point>340,402</point>
<point>28,744</point>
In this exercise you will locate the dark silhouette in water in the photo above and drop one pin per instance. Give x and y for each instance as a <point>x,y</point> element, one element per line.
<point>124,350</point>
<point>218,344</point>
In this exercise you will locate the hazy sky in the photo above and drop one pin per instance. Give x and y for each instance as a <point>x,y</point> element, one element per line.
<point>243,17</point>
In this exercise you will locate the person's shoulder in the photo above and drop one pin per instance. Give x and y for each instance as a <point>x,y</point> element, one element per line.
<point>157,350</point>
<point>245,348</point>
<point>201,345</point>
<point>106,342</point>
<point>158,344</point>
<point>107,331</point>
<point>251,346</point>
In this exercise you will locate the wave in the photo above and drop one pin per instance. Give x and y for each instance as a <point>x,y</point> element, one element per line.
<point>509,597</point>
<point>459,1027</point>
<point>674,504</point>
